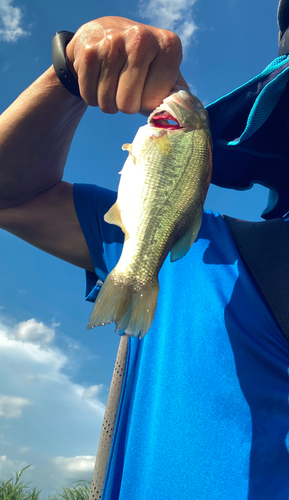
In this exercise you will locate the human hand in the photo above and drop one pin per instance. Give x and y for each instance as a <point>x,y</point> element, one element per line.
<point>123,65</point>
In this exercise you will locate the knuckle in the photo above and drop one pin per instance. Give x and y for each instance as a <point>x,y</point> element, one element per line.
<point>106,98</point>
<point>128,107</point>
<point>171,42</point>
<point>106,106</point>
<point>89,54</point>
<point>89,98</point>
<point>108,49</point>
<point>115,45</point>
<point>91,101</point>
<point>129,110</point>
<point>139,39</point>
<point>138,31</point>
<point>87,91</point>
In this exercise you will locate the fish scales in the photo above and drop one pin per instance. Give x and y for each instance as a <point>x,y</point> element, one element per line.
<point>148,204</point>
<point>159,208</point>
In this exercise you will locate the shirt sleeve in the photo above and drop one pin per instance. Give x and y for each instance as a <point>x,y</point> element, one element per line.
<point>104,240</point>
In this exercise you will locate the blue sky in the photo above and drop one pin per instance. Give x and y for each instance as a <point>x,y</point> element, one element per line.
<point>54,375</point>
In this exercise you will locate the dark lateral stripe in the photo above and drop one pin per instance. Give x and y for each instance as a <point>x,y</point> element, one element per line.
<point>109,422</point>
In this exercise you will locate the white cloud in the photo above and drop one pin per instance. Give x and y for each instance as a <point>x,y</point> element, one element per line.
<point>7,465</point>
<point>32,331</point>
<point>10,22</point>
<point>71,465</point>
<point>173,15</point>
<point>18,343</point>
<point>93,391</point>
<point>64,418</point>
<point>11,406</point>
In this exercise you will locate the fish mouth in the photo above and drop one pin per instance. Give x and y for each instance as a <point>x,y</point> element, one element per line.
<point>163,119</point>
<point>181,110</point>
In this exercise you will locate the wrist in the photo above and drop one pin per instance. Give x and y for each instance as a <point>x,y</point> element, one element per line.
<point>62,66</point>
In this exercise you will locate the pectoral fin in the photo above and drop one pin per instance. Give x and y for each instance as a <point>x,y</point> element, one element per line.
<point>184,243</point>
<point>128,147</point>
<point>113,216</point>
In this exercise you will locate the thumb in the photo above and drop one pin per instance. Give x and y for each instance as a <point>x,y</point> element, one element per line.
<point>181,82</point>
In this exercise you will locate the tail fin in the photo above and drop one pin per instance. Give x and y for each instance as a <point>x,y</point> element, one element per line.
<point>131,308</point>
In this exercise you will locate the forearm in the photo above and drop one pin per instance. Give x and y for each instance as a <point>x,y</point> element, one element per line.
<point>121,65</point>
<point>35,136</point>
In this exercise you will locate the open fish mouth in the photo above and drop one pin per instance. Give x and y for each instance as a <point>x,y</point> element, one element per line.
<point>163,119</point>
<point>180,110</point>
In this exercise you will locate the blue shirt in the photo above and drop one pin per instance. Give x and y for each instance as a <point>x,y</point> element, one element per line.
<point>204,409</point>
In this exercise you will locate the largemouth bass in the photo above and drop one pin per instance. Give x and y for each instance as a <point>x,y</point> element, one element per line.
<point>159,207</point>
